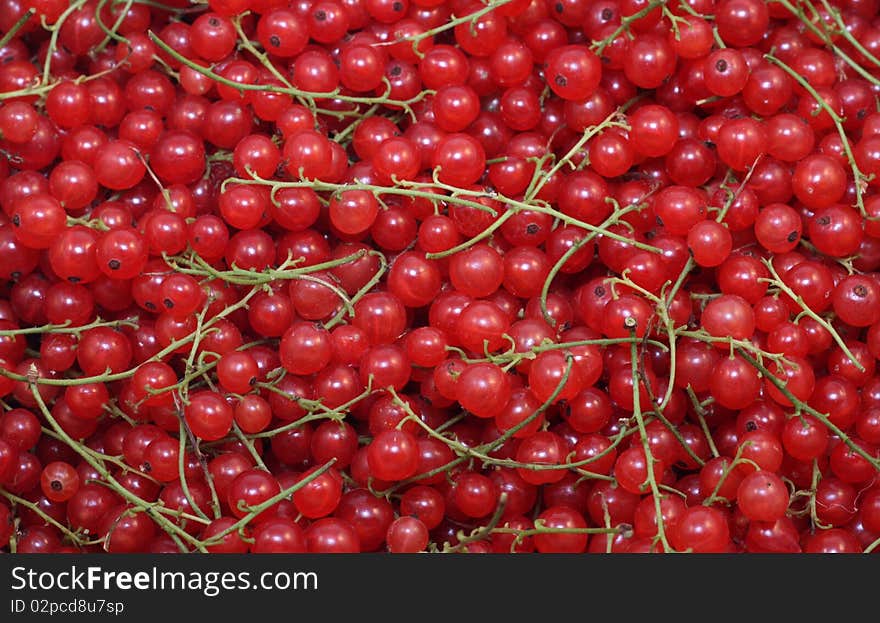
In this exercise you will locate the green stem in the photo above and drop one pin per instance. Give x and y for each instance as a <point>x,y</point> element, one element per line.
<point>147,507</point>
<point>599,46</point>
<point>859,177</point>
<point>779,283</point>
<point>294,92</point>
<point>17,26</point>
<point>805,408</point>
<point>643,434</point>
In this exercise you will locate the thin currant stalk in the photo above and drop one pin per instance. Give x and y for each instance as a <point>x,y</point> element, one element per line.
<point>493,527</point>
<point>287,271</point>
<point>606,522</point>
<point>55,29</point>
<point>513,430</point>
<point>845,262</point>
<point>13,537</point>
<point>542,207</point>
<point>802,407</point>
<point>317,412</point>
<point>675,20</point>
<point>843,31</point>
<point>473,240</point>
<point>197,6</point>
<point>615,119</point>
<point>36,89</point>
<point>704,426</point>
<point>362,292</point>
<point>828,39</point>
<point>670,328</point>
<point>481,532</point>
<point>859,177</point>
<point>255,279</point>
<point>114,411</point>
<point>460,196</point>
<point>249,446</point>
<point>796,494</point>
<point>253,511</point>
<point>68,328</point>
<point>188,378</point>
<point>96,224</point>
<point>643,434</point>
<point>622,434</point>
<point>449,24</point>
<point>537,161</point>
<point>110,33</point>
<point>719,42</point>
<point>687,8</point>
<point>184,483</point>
<point>189,366</point>
<point>672,428</point>
<point>19,501</point>
<point>341,137</point>
<point>154,509</point>
<point>599,46</point>
<point>728,469</point>
<point>248,46</point>
<point>571,251</point>
<point>814,484</point>
<point>512,358</point>
<point>703,336</point>
<point>483,452</point>
<point>17,26</point>
<point>777,281</point>
<point>347,305</point>
<point>118,376</point>
<point>662,308</point>
<point>540,528</point>
<point>185,433</point>
<point>442,469</point>
<point>294,92</point>
<point>100,456</point>
<point>669,295</point>
<point>108,479</point>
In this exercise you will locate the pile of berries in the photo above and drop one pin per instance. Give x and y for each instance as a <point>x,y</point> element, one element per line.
<point>439,275</point>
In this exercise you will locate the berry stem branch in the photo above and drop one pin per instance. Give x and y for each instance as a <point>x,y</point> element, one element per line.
<point>805,408</point>
<point>413,189</point>
<point>843,31</point>
<point>184,484</point>
<point>859,177</point>
<point>75,538</point>
<point>272,88</point>
<point>777,281</point>
<point>17,26</point>
<point>256,510</point>
<point>650,461</point>
<point>68,328</point>
<point>573,249</point>
<point>451,23</point>
<point>828,39</point>
<point>110,33</point>
<point>625,21</point>
<point>55,29</point>
<point>149,508</point>
<point>610,121</point>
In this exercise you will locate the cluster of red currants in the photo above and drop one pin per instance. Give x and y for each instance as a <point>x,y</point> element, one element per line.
<point>439,275</point>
